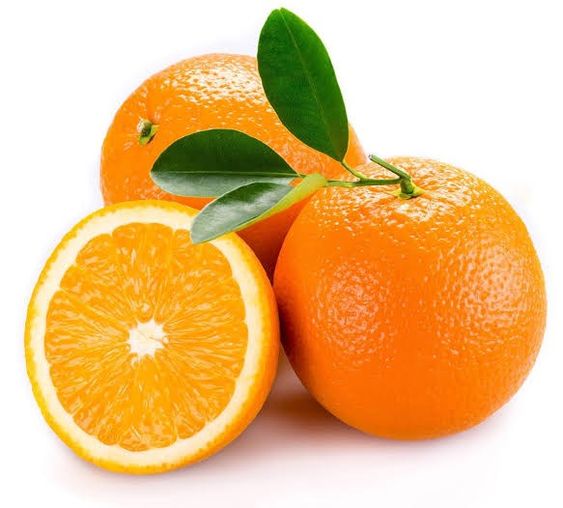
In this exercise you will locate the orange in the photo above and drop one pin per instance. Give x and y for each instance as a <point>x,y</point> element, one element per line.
<point>146,352</point>
<point>411,318</point>
<point>209,91</point>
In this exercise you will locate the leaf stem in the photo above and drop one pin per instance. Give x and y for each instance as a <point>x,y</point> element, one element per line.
<point>362,183</point>
<point>355,172</point>
<point>384,164</point>
<point>408,188</point>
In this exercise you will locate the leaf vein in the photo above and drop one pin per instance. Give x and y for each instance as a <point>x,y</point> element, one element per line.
<point>311,82</point>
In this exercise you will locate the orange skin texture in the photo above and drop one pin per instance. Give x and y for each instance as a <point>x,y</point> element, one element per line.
<point>205,92</point>
<point>411,319</point>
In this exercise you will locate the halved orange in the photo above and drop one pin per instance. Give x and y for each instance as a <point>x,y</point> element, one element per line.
<point>146,352</point>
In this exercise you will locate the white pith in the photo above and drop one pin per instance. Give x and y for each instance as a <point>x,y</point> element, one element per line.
<point>145,339</point>
<point>254,318</point>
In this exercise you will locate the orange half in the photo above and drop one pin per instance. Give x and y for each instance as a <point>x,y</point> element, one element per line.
<point>146,352</point>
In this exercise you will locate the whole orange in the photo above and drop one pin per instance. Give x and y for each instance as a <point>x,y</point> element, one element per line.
<point>208,91</point>
<point>411,318</point>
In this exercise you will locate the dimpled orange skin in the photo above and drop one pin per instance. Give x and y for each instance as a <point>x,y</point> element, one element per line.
<point>411,319</point>
<point>205,92</point>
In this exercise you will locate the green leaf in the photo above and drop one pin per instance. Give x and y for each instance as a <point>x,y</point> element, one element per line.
<point>309,185</point>
<point>248,204</point>
<point>301,85</point>
<point>212,162</point>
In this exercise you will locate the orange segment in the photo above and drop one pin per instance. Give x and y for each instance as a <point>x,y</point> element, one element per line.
<point>139,341</point>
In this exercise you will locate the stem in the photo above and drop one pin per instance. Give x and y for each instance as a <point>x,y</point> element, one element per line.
<point>390,167</point>
<point>146,130</point>
<point>355,172</point>
<point>362,183</point>
<point>408,187</point>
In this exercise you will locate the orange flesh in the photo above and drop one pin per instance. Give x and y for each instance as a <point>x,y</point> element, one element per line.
<point>146,277</point>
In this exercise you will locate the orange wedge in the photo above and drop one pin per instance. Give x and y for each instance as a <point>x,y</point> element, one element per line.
<point>146,352</point>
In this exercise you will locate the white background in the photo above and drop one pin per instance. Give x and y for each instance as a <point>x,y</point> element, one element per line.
<point>474,83</point>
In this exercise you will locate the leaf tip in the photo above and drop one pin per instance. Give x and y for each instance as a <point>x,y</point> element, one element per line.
<point>196,236</point>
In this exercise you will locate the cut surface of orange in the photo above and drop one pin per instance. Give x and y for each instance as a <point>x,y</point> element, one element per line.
<point>146,352</point>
